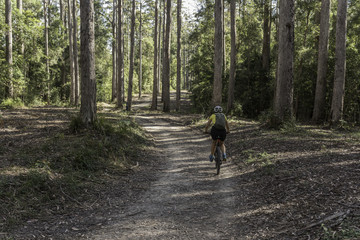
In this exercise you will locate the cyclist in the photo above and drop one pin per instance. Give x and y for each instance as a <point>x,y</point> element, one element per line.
<point>218,131</point>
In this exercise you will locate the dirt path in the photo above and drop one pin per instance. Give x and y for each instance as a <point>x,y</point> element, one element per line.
<point>188,201</point>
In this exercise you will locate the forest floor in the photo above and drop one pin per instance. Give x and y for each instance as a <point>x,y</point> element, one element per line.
<point>300,182</point>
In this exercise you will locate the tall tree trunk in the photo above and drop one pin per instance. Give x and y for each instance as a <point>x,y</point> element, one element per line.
<point>114,51</point>
<point>163,51</point>
<point>63,68</point>
<point>284,87</point>
<point>9,48</point>
<point>87,63</point>
<point>218,55</point>
<point>337,104</point>
<point>76,63</point>
<point>178,54</point>
<point>155,75</point>
<point>19,4</point>
<point>71,55</point>
<point>266,36</point>
<point>224,37</point>
<point>131,67</point>
<point>166,68</point>
<point>230,102</point>
<point>160,50</point>
<point>120,57</point>
<point>320,92</point>
<point>140,50</point>
<point>46,36</point>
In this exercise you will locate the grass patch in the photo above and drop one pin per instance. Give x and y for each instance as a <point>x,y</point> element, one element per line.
<point>63,170</point>
<point>347,230</point>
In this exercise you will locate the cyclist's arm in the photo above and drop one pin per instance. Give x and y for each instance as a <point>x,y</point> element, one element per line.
<point>227,126</point>
<point>208,125</point>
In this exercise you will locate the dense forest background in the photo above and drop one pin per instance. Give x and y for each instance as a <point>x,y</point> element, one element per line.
<point>43,71</point>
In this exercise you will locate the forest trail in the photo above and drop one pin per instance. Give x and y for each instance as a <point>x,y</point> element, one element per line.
<point>188,200</point>
<point>276,185</point>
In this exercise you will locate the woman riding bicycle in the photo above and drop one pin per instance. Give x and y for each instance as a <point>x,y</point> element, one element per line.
<point>218,131</point>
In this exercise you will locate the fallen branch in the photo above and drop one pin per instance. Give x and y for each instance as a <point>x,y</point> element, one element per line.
<point>340,215</point>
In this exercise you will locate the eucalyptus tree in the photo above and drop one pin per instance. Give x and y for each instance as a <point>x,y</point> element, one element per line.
<point>218,53</point>
<point>114,52</point>
<point>9,48</point>
<point>75,52</point>
<point>87,63</point>
<point>266,36</point>
<point>337,104</point>
<point>178,54</point>
<point>320,93</point>
<point>284,84</point>
<point>71,54</point>
<point>155,68</point>
<point>132,49</point>
<point>140,50</point>
<point>232,56</point>
<point>166,67</point>
<point>46,37</point>
<point>120,56</point>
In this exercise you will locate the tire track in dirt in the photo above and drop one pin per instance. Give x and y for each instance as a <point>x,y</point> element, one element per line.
<point>188,201</point>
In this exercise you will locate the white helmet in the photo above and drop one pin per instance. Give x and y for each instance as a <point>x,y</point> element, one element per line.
<point>218,109</point>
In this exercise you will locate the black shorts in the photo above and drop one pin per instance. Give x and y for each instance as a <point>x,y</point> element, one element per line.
<point>218,134</point>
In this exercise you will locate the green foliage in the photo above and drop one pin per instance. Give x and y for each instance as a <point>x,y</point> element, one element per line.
<point>11,103</point>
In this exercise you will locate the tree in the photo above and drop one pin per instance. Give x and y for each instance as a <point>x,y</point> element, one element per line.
<point>284,84</point>
<point>320,93</point>
<point>114,53</point>
<point>9,48</point>
<point>46,36</point>
<point>166,67</point>
<point>178,54</point>
<point>132,47</point>
<point>230,102</point>
<point>87,63</point>
<point>75,52</point>
<point>120,57</point>
<point>266,36</point>
<point>140,50</point>
<point>218,54</point>
<point>337,104</point>
<point>71,55</point>
<point>155,74</point>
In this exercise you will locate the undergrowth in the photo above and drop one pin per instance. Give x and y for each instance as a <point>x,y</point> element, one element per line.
<point>57,174</point>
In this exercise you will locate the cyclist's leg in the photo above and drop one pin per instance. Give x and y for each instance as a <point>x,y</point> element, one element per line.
<point>222,147</point>
<point>213,146</point>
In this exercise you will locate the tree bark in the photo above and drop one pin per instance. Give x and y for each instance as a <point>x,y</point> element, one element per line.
<point>120,58</point>
<point>114,51</point>
<point>230,102</point>
<point>337,104</point>
<point>166,67</point>
<point>266,36</point>
<point>46,36</point>
<point>131,68</point>
<point>71,55</point>
<point>320,92</point>
<point>76,63</point>
<point>155,74</point>
<point>218,54</point>
<point>87,63</point>
<point>140,50</point>
<point>9,48</point>
<point>284,87</point>
<point>178,56</point>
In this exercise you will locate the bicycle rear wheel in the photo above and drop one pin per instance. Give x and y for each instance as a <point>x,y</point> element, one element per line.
<point>218,160</point>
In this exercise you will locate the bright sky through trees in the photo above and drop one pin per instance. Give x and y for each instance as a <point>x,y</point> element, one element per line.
<point>190,6</point>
